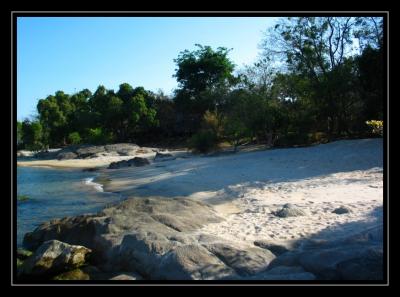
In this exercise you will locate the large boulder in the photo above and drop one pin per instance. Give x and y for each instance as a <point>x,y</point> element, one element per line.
<point>66,156</point>
<point>137,162</point>
<point>246,261</point>
<point>356,257</point>
<point>158,238</point>
<point>55,256</point>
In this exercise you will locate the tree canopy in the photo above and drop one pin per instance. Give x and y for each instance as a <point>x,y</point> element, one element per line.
<point>316,78</point>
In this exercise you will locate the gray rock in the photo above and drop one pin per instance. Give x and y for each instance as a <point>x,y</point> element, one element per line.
<point>192,262</point>
<point>342,210</point>
<point>368,266</point>
<point>89,151</point>
<point>284,273</point>
<point>66,156</point>
<point>137,162</point>
<point>163,157</point>
<point>275,247</point>
<point>55,256</point>
<point>289,210</point>
<point>121,148</point>
<point>134,235</point>
<point>244,261</point>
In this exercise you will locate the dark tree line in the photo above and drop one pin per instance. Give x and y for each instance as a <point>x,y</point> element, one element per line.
<point>318,78</point>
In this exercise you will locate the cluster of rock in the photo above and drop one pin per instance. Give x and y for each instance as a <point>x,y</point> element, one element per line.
<point>138,161</point>
<point>159,238</point>
<point>90,151</point>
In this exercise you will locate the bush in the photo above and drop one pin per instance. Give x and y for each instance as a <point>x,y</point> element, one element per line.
<point>74,138</point>
<point>318,137</point>
<point>376,126</point>
<point>292,138</point>
<point>98,136</point>
<point>203,141</point>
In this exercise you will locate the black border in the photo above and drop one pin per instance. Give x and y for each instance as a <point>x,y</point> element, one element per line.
<point>13,18</point>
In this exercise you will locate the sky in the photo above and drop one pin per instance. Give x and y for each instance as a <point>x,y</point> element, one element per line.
<point>73,53</point>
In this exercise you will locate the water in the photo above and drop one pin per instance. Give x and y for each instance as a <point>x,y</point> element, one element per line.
<point>56,193</point>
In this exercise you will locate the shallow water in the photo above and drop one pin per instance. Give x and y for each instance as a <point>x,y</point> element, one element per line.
<point>56,193</point>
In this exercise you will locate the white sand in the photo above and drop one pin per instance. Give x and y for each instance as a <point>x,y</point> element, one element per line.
<point>246,187</point>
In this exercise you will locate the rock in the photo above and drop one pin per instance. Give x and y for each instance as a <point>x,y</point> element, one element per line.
<point>127,152</point>
<point>66,156</point>
<point>367,266</point>
<point>275,247</point>
<point>284,273</point>
<point>345,262</point>
<point>90,169</point>
<point>244,261</point>
<point>163,157</point>
<point>342,210</point>
<point>192,262</point>
<point>289,210</point>
<point>23,153</point>
<point>55,256</point>
<point>76,274</point>
<point>134,235</point>
<point>46,155</point>
<point>137,162</point>
<point>89,151</point>
<point>121,148</point>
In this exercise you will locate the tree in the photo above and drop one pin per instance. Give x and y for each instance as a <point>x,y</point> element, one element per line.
<point>19,134</point>
<point>320,50</point>
<point>204,76</point>
<point>32,134</point>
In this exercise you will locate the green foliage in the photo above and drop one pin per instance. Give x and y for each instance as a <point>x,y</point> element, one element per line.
<point>293,139</point>
<point>99,136</point>
<point>204,76</point>
<point>310,85</point>
<point>203,141</point>
<point>19,135</point>
<point>32,133</point>
<point>235,130</point>
<point>74,138</point>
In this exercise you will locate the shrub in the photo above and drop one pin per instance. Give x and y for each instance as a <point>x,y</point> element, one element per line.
<point>203,141</point>
<point>376,126</point>
<point>74,138</point>
<point>318,137</point>
<point>292,138</point>
<point>98,136</point>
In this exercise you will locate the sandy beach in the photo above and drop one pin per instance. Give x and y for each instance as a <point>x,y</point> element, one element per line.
<point>248,187</point>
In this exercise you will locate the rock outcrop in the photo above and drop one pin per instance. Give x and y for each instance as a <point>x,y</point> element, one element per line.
<point>137,162</point>
<point>161,238</point>
<point>157,238</point>
<point>358,257</point>
<point>54,256</point>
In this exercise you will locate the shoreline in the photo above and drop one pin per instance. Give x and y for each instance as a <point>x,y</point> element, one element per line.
<point>248,187</point>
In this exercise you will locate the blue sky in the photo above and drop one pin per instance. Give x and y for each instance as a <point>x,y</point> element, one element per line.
<point>74,53</point>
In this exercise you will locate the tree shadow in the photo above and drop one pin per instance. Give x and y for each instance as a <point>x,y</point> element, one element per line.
<point>184,177</point>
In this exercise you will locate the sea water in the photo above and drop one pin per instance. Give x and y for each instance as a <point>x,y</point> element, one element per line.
<point>56,193</point>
